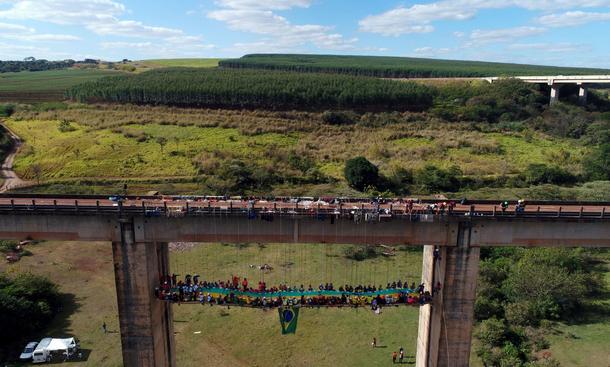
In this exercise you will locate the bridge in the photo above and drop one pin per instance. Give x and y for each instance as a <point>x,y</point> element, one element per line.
<point>555,82</point>
<point>140,227</point>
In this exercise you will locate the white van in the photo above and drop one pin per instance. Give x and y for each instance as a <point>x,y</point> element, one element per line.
<point>41,354</point>
<point>49,346</point>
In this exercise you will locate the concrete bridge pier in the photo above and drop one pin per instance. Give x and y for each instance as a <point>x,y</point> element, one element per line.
<point>554,93</point>
<point>147,334</point>
<point>583,92</point>
<point>445,326</point>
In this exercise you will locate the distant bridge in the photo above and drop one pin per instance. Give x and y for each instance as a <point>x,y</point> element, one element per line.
<point>583,81</point>
<point>141,227</point>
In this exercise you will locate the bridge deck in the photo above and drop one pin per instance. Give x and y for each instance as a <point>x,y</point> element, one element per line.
<point>349,207</point>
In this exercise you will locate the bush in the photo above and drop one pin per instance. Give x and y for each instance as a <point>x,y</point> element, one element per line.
<point>27,304</point>
<point>434,179</point>
<point>65,126</point>
<point>538,173</point>
<point>360,173</point>
<point>597,163</point>
<point>6,110</point>
<point>337,118</point>
<point>360,253</point>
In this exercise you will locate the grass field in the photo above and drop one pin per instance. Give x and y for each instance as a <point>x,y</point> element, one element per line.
<point>110,143</point>
<point>236,337</point>
<point>190,63</point>
<point>44,85</point>
<point>250,337</point>
<point>395,67</point>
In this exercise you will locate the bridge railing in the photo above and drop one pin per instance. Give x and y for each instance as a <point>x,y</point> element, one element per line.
<point>358,213</point>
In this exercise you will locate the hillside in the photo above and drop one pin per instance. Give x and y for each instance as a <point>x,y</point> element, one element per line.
<point>395,67</point>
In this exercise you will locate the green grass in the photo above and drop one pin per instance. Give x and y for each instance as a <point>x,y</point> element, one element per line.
<point>45,85</point>
<point>235,336</point>
<point>190,63</point>
<point>106,154</point>
<point>89,151</point>
<point>396,67</point>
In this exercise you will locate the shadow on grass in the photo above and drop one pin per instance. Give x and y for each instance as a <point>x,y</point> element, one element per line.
<point>58,328</point>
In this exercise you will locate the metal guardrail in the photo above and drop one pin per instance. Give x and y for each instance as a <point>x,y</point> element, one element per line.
<point>357,214</point>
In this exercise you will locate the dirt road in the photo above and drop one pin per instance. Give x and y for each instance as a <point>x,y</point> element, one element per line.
<point>11,180</point>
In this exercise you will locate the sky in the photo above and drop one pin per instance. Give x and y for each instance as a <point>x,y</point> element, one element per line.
<point>549,32</point>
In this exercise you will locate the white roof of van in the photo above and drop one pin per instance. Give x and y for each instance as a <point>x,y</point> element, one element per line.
<point>61,344</point>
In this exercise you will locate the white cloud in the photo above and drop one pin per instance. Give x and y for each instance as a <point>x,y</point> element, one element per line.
<point>122,44</point>
<point>132,28</point>
<point>41,37</point>
<point>6,27</point>
<point>428,51</point>
<point>23,33</point>
<point>264,4</point>
<point>572,18</point>
<point>64,11</point>
<point>258,17</point>
<point>479,36</point>
<point>98,16</point>
<point>550,47</point>
<point>418,17</point>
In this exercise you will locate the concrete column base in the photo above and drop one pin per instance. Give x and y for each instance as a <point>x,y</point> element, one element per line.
<point>554,93</point>
<point>147,335</point>
<point>445,326</point>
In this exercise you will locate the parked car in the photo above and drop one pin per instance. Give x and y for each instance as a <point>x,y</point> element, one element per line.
<point>26,355</point>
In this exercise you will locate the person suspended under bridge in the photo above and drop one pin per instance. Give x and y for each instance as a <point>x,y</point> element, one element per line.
<point>193,290</point>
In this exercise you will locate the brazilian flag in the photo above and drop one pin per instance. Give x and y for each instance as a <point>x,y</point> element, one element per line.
<point>288,319</point>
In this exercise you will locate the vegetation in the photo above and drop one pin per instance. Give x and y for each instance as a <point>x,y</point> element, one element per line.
<point>27,304</point>
<point>31,64</point>
<point>197,87</point>
<point>235,336</point>
<point>395,67</point>
<point>47,85</point>
<point>519,290</point>
<point>277,152</point>
<point>184,63</point>
<point>360,173</point>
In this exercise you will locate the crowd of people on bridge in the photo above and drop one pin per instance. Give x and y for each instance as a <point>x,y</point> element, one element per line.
<point>240,292</point>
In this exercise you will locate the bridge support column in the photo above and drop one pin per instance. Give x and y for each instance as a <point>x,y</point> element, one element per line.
<point>147,335</point>
<point>445,326</point>
<point>583,93</point>
<point>554,93</point>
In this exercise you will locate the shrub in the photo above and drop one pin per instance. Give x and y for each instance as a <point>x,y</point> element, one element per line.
<point>6,110</point>
<point>537,173</point>
<point>360,173</point>
<point>597,163</point>
<point>360,253</point>
<point>27,304</point>
<point>435,179</point>
<point>337,118</point>
<point>65,126</point>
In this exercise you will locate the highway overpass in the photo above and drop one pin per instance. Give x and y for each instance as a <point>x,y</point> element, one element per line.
<point>555,82</point>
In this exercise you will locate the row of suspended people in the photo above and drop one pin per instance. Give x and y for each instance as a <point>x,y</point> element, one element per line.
<point>209,293</point>
<point>237,283</point>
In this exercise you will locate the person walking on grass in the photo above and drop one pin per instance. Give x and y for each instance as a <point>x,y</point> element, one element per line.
<point>401,355</point>
<point>104,327</point>
<point>394,355</point>
<point>374,342</point>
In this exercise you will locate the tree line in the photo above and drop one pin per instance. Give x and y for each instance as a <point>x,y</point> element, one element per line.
<point>196,87</point>
<point>394,67</point>
<point>31,64</point>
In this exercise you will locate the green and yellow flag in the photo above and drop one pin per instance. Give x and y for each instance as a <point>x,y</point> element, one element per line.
<point>288,319</point>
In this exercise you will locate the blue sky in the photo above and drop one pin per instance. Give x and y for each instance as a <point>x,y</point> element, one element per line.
<point>553,32</point>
